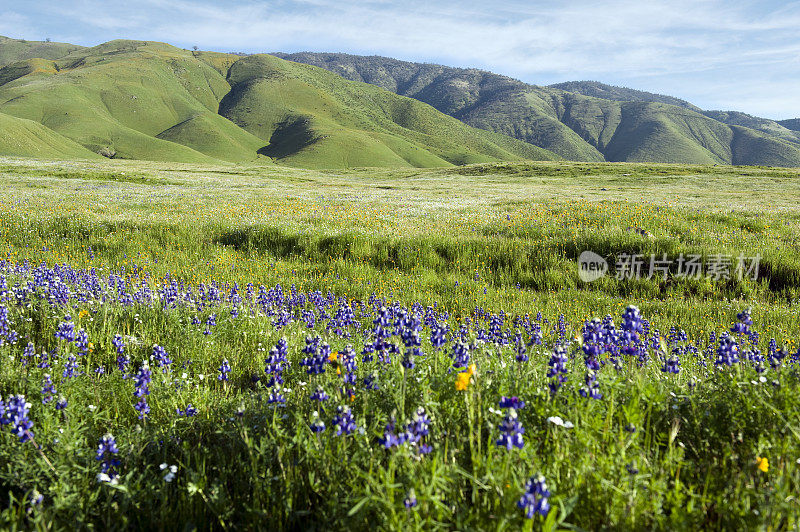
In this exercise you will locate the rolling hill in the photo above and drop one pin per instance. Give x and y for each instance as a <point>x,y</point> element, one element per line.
<point>149,100</point>
<point>588,121</point>
<point>25,138</point>
<point>146,100</point>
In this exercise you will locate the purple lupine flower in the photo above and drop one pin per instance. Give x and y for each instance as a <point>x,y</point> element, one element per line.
<point>390,439</point>
<point>318,353</point>
<point>66,330</point>
<point>417,430</point>
<point>143,408</point>
<point>521,350</point>
<point>276,362</point>
<point>71,368</point>
<point>210,322</point>
<point>28,353</point>
<point>317,425</point>
<point>224,369</point>
<point>189,411</point>
<point>48,390</point>
<point>309,318</point>
<point>562,328</point>
<point>82,342</point>
<point>776,355</point>
<point>44,359</point>
<point>276,396</point>
<point>61,404</point>
<point>15,413</point>
<point>460,355</point>
<point>511,431</point>
<point>122,359</point>
<point>371,381</point>
<point>345,424</point>
<point>142,381</point>
<point>411,499</point>
<point>593,343</point>
<point>742,326</point>
<point>438,336</point>
<point>5,327</point>
<point>512,402</point>
<point>107,454</point>
<point>160,357</point>
<point>141,390</point>
<point>727,350</point>
<point>672,364</point>
<point>319,395</point>
<point>534,500</point>
<point>592,388</point>
<point>558,368</point>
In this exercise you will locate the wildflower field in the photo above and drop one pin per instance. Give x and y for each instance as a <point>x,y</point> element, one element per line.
<point>240,347</point>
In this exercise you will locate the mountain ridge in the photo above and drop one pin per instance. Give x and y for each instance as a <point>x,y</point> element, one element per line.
<point>576,126</point>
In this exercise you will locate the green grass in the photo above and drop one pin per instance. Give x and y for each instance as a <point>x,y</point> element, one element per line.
<point>371,227</point>
<point>458,237</point>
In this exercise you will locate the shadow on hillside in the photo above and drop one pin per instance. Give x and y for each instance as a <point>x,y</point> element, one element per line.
<point>291,136</point>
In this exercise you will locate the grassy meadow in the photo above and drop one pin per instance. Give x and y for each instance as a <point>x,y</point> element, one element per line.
<point>454,287</point>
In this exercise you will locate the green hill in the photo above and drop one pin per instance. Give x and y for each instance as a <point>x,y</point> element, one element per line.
<point>146,100</point>
<point>26,138</point>
<point>310,117</point>
<point>119,96</point>
<point>590,121</point>
<point>481,99</point>
<point>13,50</point>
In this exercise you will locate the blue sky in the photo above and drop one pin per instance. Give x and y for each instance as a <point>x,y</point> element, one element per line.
<point>734,54</point>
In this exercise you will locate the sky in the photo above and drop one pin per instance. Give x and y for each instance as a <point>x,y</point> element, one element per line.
<point>718,54</point>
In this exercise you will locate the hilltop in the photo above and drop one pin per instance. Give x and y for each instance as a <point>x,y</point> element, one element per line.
<point>604,91</point>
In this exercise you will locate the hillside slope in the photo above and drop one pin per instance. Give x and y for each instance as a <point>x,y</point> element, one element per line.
<point>146,100</point>
<point>120,96</point>
<point>611,123</point>
<point>310,117</point>
<point>26,138</point>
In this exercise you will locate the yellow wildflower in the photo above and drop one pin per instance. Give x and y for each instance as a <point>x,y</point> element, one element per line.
<point>762,464</point>
<point>462,381</point>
